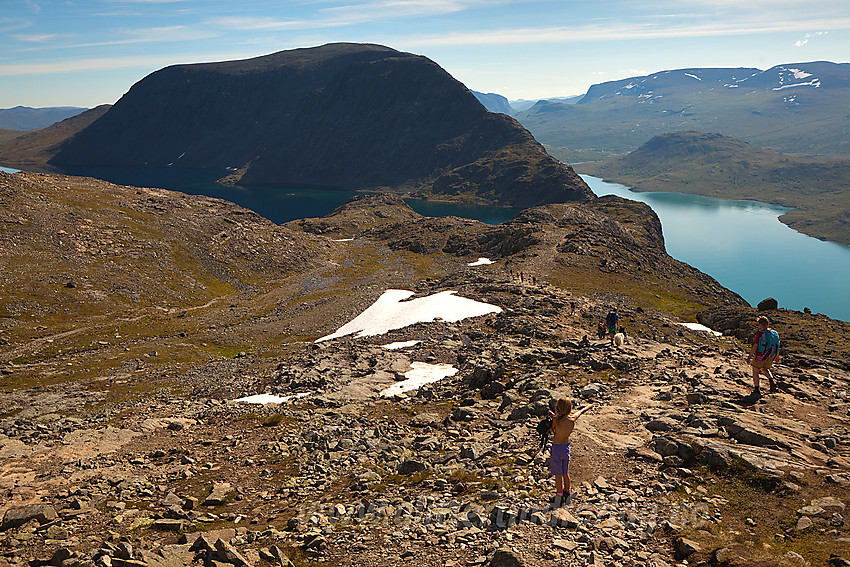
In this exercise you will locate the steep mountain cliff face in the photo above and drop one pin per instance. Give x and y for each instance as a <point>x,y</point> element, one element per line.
<point>341,115</point>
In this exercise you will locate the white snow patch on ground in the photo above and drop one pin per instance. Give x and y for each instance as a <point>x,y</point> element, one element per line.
<point>692,76</point>
<point>798,74</point>
<point>343,239</point>
<point>420,374</point>
<point>390,312</point>
<point>481,262</point>
<point>813,83</point>
<point>698,327</point>
<point>400,345</point>
<point>270,398</point>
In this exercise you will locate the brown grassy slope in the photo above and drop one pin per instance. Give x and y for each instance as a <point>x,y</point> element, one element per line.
<point>31,150</point>
<point>726,168</point>
<point>86,260</point>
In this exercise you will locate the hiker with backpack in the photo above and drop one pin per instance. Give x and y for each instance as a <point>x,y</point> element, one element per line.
<point>612,321</point>
<point>763,354</point>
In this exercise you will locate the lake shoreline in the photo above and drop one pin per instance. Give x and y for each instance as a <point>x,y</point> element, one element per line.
<point>722,237</point>
<point>802,219</point>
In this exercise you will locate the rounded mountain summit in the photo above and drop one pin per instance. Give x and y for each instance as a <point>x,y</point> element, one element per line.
<point>349,116</point>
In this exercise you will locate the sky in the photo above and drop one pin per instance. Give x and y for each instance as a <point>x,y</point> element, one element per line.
<point>90,52</point>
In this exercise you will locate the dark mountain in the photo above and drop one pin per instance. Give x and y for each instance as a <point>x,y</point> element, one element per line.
<point>794,108</point>
<point>26,118</point>
<point>341,115</point>
<point>494,102</point>
<point>726,168</point>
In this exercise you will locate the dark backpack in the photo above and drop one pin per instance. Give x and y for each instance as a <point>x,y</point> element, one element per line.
<point>611,318</point>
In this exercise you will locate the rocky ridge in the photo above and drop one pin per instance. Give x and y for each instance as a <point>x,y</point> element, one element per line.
<point>132,450</point>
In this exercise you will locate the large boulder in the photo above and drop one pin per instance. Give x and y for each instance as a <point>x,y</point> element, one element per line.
<point>15,517</point>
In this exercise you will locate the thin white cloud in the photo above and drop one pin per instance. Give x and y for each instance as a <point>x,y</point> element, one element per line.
<point>619,32</point>
<point>115,63</point>
<point>35,38</point>
<point>805,40</point>
<point>154,35</point>
<point>393,9</point>
<point>246,23</point>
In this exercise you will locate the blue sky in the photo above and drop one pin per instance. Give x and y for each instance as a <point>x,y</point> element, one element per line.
<point>89,52</point>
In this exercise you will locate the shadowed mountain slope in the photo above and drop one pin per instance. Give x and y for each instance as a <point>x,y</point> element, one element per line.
<point>342,115</point>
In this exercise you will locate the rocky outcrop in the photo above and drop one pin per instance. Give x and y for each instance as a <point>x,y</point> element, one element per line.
<point>342,115</point>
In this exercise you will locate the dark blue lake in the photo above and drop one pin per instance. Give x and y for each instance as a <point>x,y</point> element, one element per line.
<point>277,203</point>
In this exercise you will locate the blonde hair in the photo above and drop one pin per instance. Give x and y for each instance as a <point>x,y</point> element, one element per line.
<point>563,407</point>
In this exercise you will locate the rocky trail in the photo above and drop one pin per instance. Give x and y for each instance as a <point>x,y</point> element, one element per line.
<point>674,465</point>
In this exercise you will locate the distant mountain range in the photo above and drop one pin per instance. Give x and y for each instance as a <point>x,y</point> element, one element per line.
<point>726,168</point>
<point>26,118</point>
<point>796,108</point>
<point>352,116</point>
<point>498,103</point>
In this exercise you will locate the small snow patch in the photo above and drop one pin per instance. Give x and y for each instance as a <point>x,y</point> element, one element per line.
<point>692,76</point>
<point>400,345</point>
<point>270,398</point>
<point>481,262</point>
<point>813,83</point>
<point>420,374</point>
<point>391,312</point>
<point>698,327</point>
<point>343,239</point>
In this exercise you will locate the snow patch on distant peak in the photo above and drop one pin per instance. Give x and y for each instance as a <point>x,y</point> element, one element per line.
<point>798,74</point>
<point>692,76</point>
<point>813,83</point>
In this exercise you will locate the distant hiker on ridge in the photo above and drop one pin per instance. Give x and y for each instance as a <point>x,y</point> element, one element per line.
<point>763,354</point>
<point>612,321</point>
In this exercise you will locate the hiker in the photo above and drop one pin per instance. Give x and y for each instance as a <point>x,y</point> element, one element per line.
<point>764,353</point>
<point>600,330</point>
<point>612,320</point>
<point>572,308</point>
<point>563,423</point>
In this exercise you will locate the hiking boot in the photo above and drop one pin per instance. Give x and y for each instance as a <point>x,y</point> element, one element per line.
<point>567,499</point>
<point>773,387</point>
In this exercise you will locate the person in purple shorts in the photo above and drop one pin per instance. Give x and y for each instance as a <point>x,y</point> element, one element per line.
<point>563,423</point>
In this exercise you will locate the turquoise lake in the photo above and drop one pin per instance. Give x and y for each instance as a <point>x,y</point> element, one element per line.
<point>743,246</point>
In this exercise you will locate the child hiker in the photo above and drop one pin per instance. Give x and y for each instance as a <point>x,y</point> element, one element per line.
<point>563,423</point>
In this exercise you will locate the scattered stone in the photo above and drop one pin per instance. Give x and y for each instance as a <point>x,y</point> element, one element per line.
<point>686,547</point>
<point>15,517</point>
<point>221,491</point>
<point>505,557</point>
